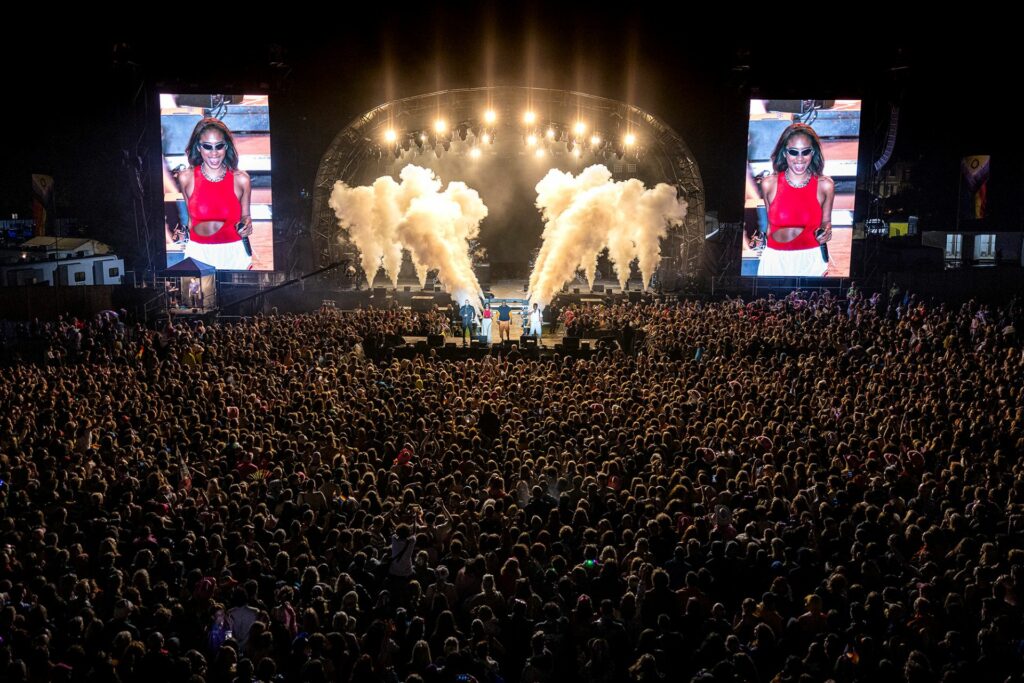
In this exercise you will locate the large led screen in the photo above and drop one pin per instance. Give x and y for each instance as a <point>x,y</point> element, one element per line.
<point>216,176</point>
<point>801,178</point>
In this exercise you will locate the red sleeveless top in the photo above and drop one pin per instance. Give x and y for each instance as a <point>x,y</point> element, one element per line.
<point>795,207</point>
<point>214,201</point>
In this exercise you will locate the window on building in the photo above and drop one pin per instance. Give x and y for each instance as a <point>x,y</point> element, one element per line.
<point>984,247</point>
<point>954,250</point>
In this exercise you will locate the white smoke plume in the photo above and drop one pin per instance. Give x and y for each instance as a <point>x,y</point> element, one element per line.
<point>585,214</point>
<point>414,214</point>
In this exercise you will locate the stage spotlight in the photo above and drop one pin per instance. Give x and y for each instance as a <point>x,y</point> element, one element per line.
<point>475,153</point>
<point>550,134</point>
<point>390,136</point>
<point>594,141</point>
<point>440,126</point>
<point>531,140</point>
<point>577,153</point>
<point>630,139</point>
<point>490,116</point>
<point>539,154</point>
<point>529,118</point>
<point>486,139</point>
<point>580,128</point>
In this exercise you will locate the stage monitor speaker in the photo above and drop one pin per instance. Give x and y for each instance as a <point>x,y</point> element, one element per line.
<point>597,289</point>
<point>575,290</point>
<point>422,304</point>
<point>481,339</point>
<point>585,346</point>
<point>635,297</point>
<point>435,341</point>
<point>422,345</point>
<point>527,342</point>
<point>451,345</point>
<point>407,288</point>
<point>571,343</point>
<point>380,292</point>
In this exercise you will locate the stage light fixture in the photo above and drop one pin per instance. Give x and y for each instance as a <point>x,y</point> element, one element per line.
<point>595,141</point>
<point>630,139</point>
<point>486,138</point>
<point>529,118</point>
<point>475,153</point>
<point>440,126</point>
<point>390,136</point>
<point>580,128</point>
<point>539,154</point>
<point>531,140</point>
<point>550,134</point>
<point>490,116</point>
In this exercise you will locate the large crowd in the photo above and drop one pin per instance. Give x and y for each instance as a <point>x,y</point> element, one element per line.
<point>795,489</point>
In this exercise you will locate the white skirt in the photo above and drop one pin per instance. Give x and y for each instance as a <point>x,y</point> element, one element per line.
<point>795,263</point>
<point>226,256</point>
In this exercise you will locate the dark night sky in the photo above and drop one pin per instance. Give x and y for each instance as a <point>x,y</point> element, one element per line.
<point>80,107</point>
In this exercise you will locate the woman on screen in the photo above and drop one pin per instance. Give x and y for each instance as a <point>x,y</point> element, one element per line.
<point>799,201</point>
<point>217,193</point>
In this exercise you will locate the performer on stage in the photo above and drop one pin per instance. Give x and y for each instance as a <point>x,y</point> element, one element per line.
<point>504,321</point>
<point>485,322</point>
<point>468,315</point>
<point>536,320</point>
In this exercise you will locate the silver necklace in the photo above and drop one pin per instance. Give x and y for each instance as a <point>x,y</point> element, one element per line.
<point>202,169</point>
<point>789,179</point>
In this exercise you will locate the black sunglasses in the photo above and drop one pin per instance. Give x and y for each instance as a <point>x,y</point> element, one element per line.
<point>798,152</point>
<point>209,147</point>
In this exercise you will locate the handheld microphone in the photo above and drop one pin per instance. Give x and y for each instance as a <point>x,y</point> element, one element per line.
<point>245,240</point>
<point>819,233</point>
